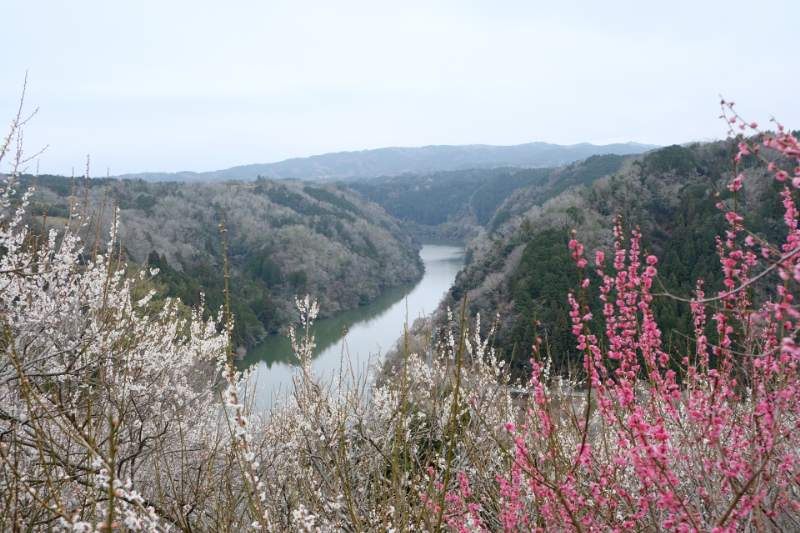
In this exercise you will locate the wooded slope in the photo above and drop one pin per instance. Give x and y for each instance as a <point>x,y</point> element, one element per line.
<point>284,239</point>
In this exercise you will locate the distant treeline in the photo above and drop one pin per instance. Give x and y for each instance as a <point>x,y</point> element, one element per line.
<point>434,199</point>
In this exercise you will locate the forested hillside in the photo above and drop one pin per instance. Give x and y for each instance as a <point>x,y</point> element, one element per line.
<point>522,269</point>
<point>466,202</point>
<point>284,239</point>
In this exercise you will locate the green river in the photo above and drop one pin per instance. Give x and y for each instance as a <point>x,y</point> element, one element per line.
<point>371,329</point>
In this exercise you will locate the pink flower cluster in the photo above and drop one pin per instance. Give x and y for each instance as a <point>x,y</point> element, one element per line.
<point>458,515</point>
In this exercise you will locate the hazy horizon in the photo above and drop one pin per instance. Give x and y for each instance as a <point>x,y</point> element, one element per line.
<point>390,161</point>
<point>383,148</point>
<point>157,87</point>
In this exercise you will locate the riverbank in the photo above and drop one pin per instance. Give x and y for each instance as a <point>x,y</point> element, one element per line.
<point>370,330</point>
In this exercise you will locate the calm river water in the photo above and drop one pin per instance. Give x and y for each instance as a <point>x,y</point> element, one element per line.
<point>371,329</point>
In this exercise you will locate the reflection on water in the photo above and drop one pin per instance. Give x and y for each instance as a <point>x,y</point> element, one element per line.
<point>371,329</point>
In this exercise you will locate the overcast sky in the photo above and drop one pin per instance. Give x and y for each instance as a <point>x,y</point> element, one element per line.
<point>171,85</point>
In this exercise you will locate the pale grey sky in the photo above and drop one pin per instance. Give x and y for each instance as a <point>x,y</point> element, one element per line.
<point>190,85</point>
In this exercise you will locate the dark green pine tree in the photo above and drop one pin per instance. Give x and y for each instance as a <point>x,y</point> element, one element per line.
<point>562,344</point>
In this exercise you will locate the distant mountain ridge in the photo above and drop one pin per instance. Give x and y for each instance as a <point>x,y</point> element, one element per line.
<point>393,161</point>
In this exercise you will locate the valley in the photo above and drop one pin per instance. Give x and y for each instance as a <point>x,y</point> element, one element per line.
<point>366,399</point>
<point>363,334</point>
<point>399,267</point>
<point>353,245</point>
